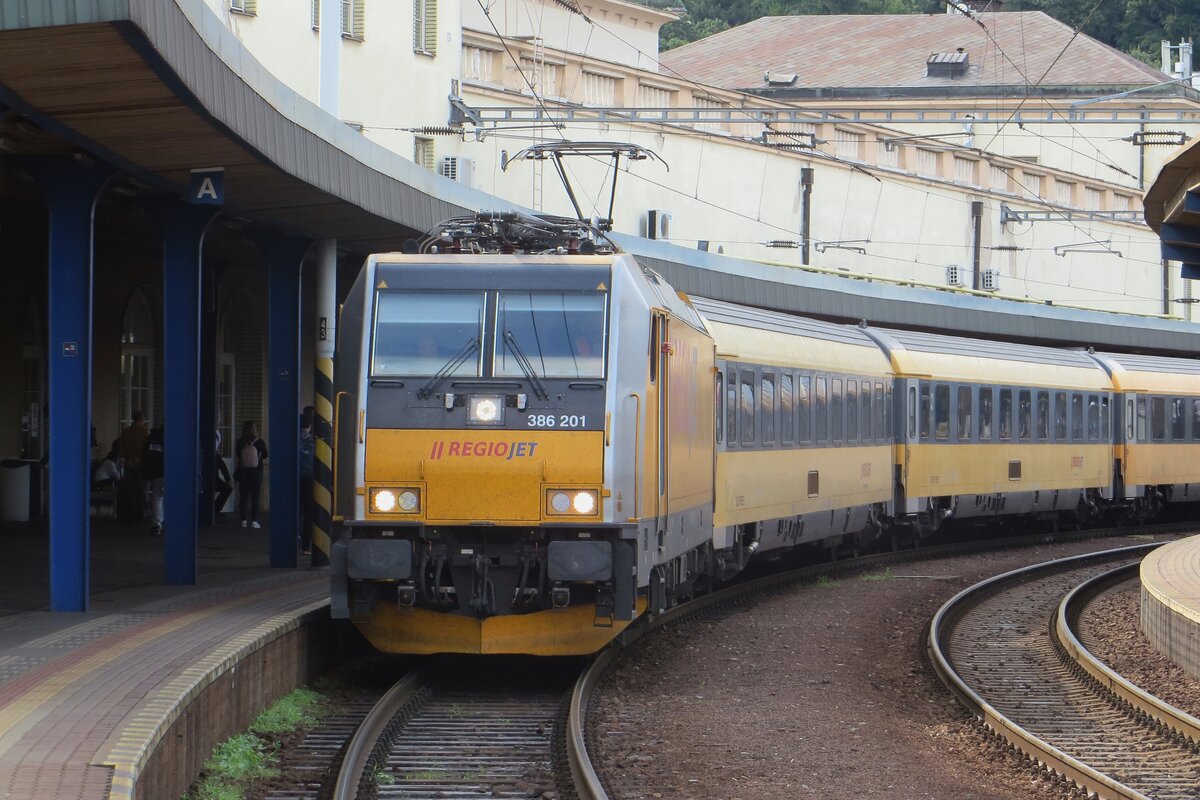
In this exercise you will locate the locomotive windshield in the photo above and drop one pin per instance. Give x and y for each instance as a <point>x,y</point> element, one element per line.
<point>420,333</point>
<point>560,333</point>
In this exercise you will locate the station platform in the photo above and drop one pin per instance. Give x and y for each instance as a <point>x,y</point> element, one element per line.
<point>1170,602</point>
<point>118,701</point>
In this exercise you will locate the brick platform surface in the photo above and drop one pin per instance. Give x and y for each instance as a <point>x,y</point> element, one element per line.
<point>1170,604</point>
<point>87,699</point>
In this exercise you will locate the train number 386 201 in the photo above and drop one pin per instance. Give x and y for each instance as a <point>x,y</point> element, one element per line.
<point>558,420</point>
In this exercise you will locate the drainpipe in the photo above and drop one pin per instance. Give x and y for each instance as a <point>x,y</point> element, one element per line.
<point>976,243</point>
<point>806,183</point>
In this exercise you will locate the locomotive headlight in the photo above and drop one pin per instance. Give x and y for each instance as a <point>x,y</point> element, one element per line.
<point>388,501</point>
<point>584,502</point>
<point>409,501</point>
<point>572,502</point>
<point>383,500</point>
<point>485,410</point>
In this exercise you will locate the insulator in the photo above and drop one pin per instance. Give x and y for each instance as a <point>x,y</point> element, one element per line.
<point>437,131</point>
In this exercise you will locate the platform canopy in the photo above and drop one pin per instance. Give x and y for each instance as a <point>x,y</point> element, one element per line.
<point>1173,209</point>
<point>159,88</point>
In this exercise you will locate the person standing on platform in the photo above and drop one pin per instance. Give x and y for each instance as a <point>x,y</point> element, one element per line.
<point>153,468</point>
<point>306,480</point>
<point>251,454</point>
<point>131,495</point>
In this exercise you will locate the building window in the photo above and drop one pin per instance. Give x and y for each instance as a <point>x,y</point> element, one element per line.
<point>1120,202</point>
<point>849,144</point>
<point>546,79</point>
<point>1064,192</point>
<point>354,19</point>
<point>966,170</point>
<point>710,121</point>
<point>248,7</point>
<point>1093,199</point>
<point>478,64</point>
<point>927,162</point>
<point>1001,180</point>
<point>655,97</point>
<point>599,90</point>
<point>33,385</point>
<point>887,154</point>
<point>425,26</point>
<point>423,152</point>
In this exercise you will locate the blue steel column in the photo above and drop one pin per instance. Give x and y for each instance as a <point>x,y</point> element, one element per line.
<point>284,258</point>
<point>182,242</point>
<point>71,190</point>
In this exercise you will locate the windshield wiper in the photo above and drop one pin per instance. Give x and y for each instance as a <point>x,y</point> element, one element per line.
<point>510,342</point>
<point>454,363</point>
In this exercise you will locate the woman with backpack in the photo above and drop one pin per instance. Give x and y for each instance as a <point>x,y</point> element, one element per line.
<point>251,452</point>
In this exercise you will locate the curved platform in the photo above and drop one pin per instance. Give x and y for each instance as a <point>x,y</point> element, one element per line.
<point>112,703</point>
<point>1170,605</point>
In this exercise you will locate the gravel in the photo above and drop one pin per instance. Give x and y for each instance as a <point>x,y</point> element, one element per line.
<point>824,691</point>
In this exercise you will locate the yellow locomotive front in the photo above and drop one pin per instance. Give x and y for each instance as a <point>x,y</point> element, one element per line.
<point>470,465</point>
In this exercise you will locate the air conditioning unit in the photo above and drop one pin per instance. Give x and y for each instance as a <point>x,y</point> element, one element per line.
<point>990,280</point>
<point>458,168</point>
<point>954,275</point>
<point>658,224</point>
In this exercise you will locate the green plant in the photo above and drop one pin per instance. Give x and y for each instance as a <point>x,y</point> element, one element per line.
<point>886,575</point>
<point>299,709</point>
<point>825,582</point>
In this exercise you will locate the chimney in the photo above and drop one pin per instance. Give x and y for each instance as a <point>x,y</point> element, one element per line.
<point>947,65</point>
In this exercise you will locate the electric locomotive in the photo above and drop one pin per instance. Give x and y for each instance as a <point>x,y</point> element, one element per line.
<point>523,451</point>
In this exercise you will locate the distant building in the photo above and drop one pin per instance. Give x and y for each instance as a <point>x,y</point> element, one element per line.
<point>939,149</point>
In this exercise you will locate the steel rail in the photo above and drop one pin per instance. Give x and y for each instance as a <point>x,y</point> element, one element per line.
<point>1133,696</point>
<point>358,752</point>
<point>1033,746</point>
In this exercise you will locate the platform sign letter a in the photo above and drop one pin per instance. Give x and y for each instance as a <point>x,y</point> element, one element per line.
<point>207,187</point>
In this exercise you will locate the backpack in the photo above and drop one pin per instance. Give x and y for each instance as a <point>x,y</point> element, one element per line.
<point>248,456</point>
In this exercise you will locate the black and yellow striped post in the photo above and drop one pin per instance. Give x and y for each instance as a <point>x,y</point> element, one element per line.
<point>326,337</point>
<point>322,518</point>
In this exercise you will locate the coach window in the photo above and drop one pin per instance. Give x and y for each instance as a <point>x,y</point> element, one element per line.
<point>1060,416</point>
<point>941,412</point>
<point>985,414</point>
<point>924,411</point>
<point>787,408</point>
<point>804,401</point>
<point>731,407</point>
<point>1093,418</point>
<point>720,415</point>
<point>836,430</point>
<point>1043,416</point>
<point>1129,418</point>
<point>851,411</point>
<point>1105,419</point>
<point>889,410</point>
<point>964,412</point>
<point>912,412</point>
<point>1158,418</point>
<point>1024,415</point>
<point>822,410</point>
<point>1006,408</point>
<point>1141,419</point>
<point>1178,420</point>
<point>881,410</point>
<point>1076,417</point>
<point>866,412</point>
<point>1196,418</point>
<point>747,407</point>
<point>767,401</point>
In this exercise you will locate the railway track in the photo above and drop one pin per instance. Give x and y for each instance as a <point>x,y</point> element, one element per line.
<point>448,733</point>
<point>1007,649</point>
